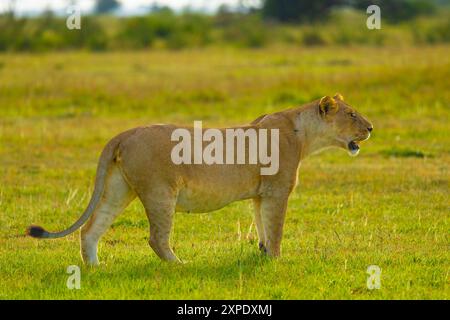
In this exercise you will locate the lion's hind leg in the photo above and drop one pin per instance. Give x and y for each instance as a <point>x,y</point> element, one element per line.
<point>116,197</point>
<point>160,208</point>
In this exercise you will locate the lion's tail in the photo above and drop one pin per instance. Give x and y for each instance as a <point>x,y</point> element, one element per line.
<point>106,158</point>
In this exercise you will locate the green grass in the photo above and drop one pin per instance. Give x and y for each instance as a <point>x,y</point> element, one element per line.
<point>388,207</point>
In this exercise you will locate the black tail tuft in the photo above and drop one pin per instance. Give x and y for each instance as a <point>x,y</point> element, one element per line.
<point>36,232</point>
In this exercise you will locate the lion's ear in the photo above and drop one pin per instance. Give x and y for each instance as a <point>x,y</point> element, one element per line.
<point>328,105</point>
<point>338,96</point>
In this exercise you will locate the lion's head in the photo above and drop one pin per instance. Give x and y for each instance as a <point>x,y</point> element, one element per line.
<point>345,127</point>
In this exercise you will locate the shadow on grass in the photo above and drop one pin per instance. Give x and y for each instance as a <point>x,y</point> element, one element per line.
<point>222,268</point>
<point>405,153</point>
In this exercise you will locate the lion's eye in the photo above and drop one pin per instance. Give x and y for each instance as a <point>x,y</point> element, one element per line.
<point>353,115</point>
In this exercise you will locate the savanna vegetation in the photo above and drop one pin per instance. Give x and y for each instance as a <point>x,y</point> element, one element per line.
<point>65,93</point>
<point>387,207</point>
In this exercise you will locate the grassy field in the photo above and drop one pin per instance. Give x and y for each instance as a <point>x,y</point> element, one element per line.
<point>388,207</point>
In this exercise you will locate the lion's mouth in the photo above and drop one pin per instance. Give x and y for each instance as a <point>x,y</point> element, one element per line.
<point>353,148</point>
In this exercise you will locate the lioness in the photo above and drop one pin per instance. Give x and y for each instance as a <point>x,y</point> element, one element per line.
<point>137,163</point>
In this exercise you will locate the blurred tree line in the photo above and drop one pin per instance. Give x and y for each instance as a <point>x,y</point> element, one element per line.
<point>104,6</point>
<point>303,22</point>
<point>308,11</point>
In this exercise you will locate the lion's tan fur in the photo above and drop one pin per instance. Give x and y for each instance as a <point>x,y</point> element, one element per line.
<point>142,167</point>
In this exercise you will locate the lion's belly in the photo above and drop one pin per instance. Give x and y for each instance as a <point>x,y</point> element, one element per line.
<point>209,199</point>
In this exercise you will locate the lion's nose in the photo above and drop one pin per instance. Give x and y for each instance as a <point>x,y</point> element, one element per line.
<point>370,129</point>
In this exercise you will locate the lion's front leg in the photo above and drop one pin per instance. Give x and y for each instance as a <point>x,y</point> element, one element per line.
<point>259,225</point>
<point>273,211</point>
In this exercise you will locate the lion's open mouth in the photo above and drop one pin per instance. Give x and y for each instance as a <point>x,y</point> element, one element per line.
<point>353,148</point>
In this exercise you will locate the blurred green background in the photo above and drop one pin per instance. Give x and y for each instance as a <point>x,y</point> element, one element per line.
<point>266,22</point>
